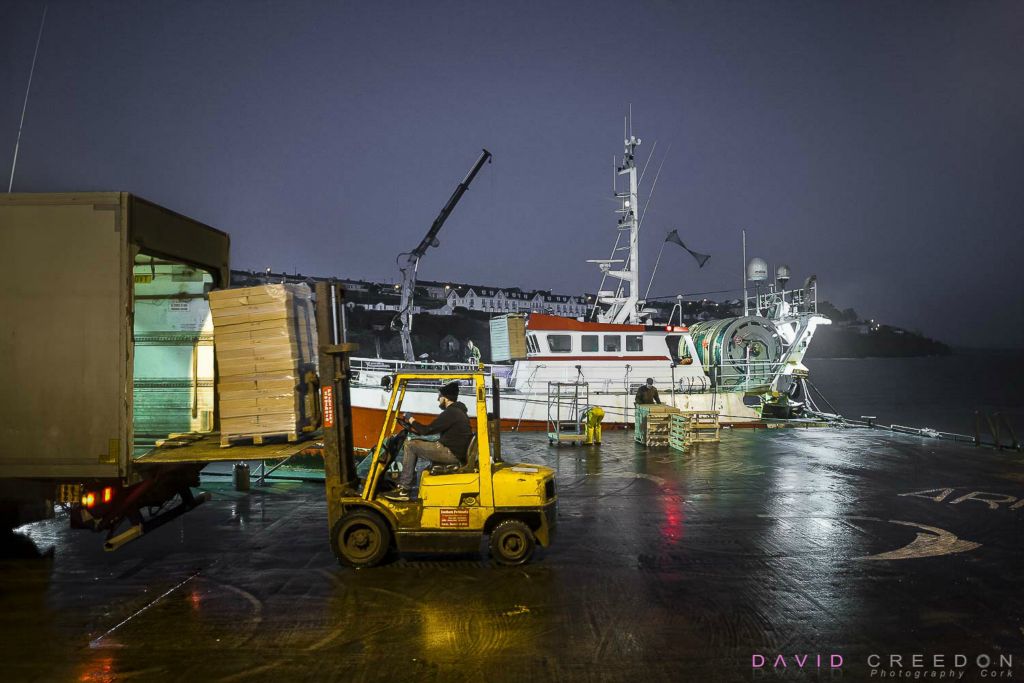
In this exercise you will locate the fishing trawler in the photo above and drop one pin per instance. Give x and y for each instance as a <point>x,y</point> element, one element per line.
<point>552,368</point>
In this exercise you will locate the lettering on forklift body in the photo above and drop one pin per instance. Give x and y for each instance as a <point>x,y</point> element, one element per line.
<point>327,398</point>
<point>453,518</point>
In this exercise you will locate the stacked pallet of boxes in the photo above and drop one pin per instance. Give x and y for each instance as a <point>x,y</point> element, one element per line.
<point>265,343</point>
<point>653,424</point>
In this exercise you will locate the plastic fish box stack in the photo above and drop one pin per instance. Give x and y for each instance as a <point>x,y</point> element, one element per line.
<point>265,341</point>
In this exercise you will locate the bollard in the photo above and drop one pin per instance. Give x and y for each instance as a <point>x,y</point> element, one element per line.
<point>241,476</point>
<point>993,427</point>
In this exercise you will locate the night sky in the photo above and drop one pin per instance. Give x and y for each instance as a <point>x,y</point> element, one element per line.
<point>879,145</point>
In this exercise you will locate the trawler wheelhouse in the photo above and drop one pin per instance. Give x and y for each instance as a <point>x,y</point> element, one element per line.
<point>553,338</point>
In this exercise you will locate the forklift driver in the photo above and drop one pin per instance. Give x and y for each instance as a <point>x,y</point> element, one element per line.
<point>455,434</point>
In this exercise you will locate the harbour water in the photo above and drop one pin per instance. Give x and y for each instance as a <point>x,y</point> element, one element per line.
<point>940,392</point>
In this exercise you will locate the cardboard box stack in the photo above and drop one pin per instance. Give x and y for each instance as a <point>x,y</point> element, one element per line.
<point>265,341</point>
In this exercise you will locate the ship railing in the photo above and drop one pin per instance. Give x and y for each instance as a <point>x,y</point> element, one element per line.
<point>744,375</point>
<point>770,303</point>
<point>692,385</point>
<point>379,371</point>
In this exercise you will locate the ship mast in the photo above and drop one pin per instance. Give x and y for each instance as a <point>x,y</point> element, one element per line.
<point>624,303</point>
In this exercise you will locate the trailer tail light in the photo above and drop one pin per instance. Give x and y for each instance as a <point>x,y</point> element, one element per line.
<point>91,498</point>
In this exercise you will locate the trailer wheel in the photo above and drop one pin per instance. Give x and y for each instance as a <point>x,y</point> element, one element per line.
<point>512,543</point>
<point>361,539</point>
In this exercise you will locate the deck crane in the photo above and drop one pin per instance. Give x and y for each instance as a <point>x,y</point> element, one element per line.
<point>402,323</point>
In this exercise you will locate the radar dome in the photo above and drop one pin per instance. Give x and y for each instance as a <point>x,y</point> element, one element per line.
<point>757,270</point>
<point>782,274</point>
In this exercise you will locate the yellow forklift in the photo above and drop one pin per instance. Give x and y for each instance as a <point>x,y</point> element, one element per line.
<point>514,505</point>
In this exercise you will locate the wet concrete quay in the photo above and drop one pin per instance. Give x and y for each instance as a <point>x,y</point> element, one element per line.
<point>666,567</point>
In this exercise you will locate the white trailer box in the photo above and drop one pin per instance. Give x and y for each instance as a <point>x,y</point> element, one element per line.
<point>104,333</point>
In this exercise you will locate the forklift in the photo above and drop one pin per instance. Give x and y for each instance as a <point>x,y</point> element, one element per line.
<point>457,506</point>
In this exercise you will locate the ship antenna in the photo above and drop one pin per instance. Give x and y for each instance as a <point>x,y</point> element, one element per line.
<point>647,163</point>
<point>653,272</point>
<point>745,309</point>
<point>654,186</point>
<point>24,106</point>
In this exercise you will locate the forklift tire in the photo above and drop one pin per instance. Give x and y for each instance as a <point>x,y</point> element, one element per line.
<point>512,543</point>
<point>361,538</point>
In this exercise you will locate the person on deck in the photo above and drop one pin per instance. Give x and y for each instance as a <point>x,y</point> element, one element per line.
<point>648,393</point>
<point>474,353</point>
<point>450,449</point>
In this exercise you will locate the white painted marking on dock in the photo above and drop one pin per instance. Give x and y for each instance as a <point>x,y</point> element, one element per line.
<point>991,499</point>
<point>933,544</point>
<point>922,494</point>
<point>95,642</point>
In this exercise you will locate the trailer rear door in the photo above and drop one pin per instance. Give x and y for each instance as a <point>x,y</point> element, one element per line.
<point>64,336</point>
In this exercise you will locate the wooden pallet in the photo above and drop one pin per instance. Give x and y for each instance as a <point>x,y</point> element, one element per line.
<point>228,440</point>
<point>178,440</point>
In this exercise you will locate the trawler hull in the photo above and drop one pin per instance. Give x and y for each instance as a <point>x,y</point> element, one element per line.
<point>529,412</point>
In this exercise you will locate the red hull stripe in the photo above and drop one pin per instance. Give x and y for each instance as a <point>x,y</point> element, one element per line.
<point>599,358</point>
<point>543,321</point>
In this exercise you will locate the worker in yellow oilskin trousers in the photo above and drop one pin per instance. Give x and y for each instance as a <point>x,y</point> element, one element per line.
<point>592,419</point>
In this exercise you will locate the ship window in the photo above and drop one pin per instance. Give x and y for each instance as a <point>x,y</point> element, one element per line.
<point>612,342</point>
<point>589,342</point>
<point>560,343</point>
<point>634,342</point>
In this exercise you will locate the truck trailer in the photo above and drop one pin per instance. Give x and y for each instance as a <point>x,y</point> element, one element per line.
<point>106,343</point>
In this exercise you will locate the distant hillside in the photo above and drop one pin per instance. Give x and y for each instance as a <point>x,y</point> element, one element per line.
<point>886,342</point>
<point>851,337</point>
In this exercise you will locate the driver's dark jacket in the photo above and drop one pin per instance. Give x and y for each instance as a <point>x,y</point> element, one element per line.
<point>453,426</point>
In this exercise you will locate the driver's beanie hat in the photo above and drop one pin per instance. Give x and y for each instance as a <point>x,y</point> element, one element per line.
<point>450,391</point>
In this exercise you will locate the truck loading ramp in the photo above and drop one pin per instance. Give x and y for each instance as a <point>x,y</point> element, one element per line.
<point>207,448</point>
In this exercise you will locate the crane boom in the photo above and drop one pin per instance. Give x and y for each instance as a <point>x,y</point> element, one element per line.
<point>403,321</point>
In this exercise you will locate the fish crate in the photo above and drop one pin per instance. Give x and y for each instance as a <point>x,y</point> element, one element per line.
<point>702,426</point>
<point>678,434</point>
<point>652,423</point>
<point>693,426</point>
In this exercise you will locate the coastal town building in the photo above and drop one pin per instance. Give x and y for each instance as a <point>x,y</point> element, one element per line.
<point>439,298</point>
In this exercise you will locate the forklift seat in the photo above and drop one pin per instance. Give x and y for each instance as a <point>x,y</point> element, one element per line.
<point>472,455</point>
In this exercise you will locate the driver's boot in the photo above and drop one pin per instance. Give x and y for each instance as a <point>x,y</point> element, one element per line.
<point>399,494</point>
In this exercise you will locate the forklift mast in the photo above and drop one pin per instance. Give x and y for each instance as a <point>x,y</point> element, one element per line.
<point>336,402</point>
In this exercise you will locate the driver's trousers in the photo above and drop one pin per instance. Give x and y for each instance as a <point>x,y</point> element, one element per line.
<point>434,451</point>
